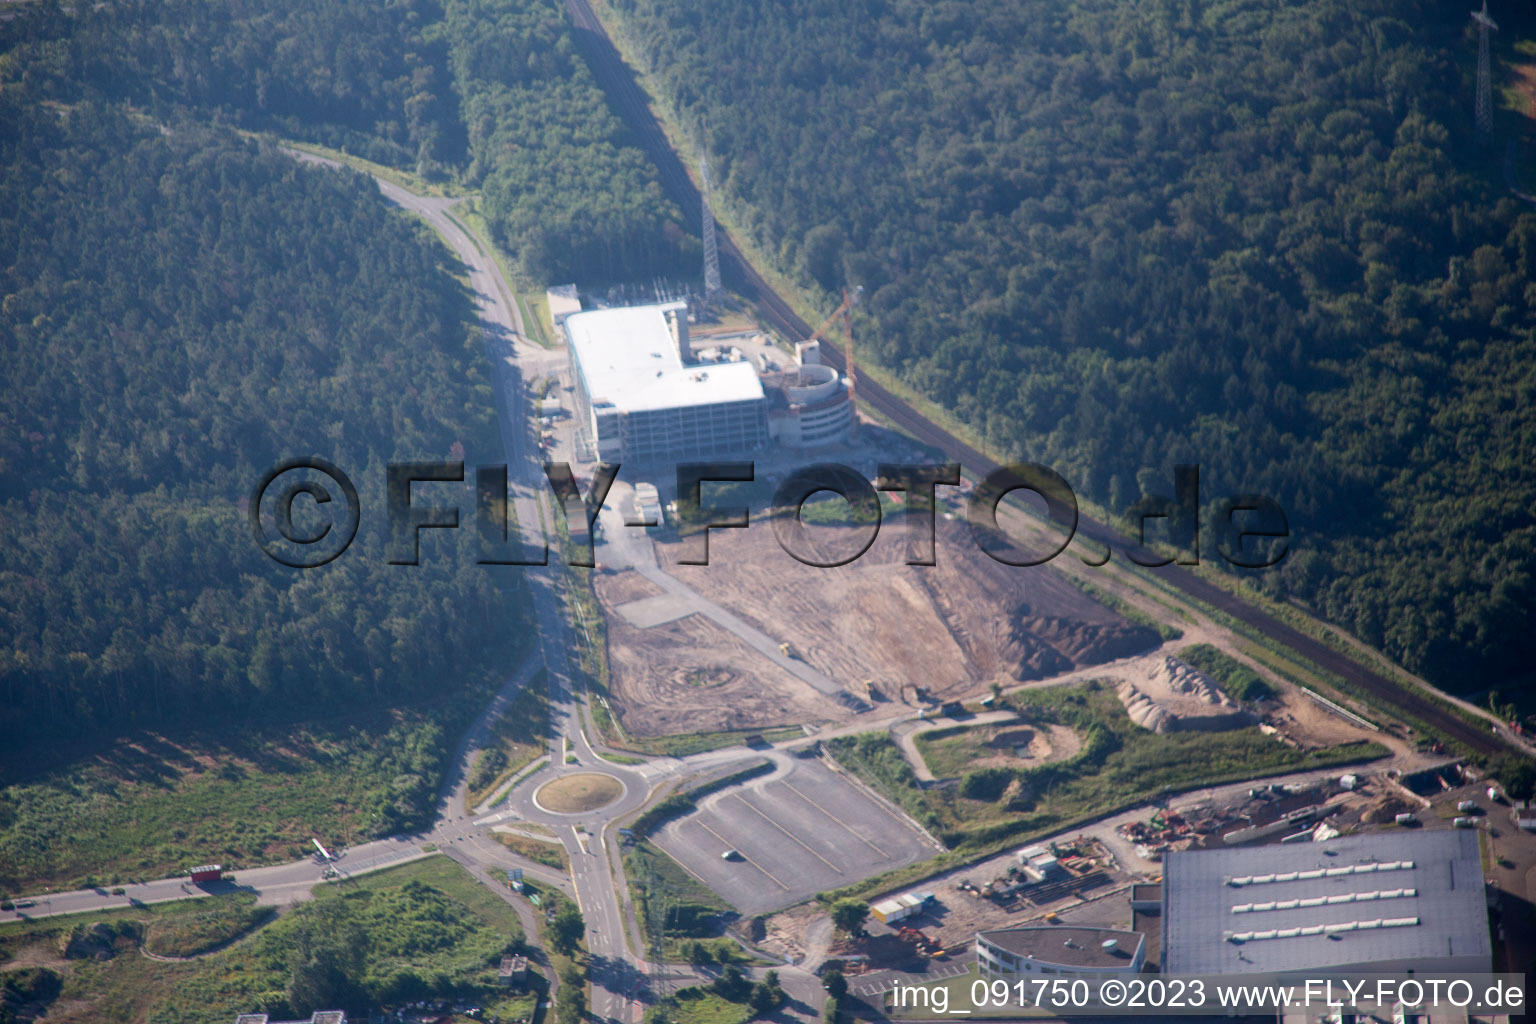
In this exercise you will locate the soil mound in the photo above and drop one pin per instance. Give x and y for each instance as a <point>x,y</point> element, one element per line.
<point>1175,697</point>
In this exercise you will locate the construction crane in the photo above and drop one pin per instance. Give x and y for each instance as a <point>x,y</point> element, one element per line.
<point>850,299</point>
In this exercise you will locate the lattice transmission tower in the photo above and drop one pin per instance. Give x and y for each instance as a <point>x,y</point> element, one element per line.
<point>712,287</point>
<point>1484,107</point>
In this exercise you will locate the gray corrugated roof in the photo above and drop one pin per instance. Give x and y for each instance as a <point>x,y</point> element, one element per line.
<point>1443,890</point>
<point>1066,945</point>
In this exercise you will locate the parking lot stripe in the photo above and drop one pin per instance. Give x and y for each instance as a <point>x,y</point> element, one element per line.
<point>834,817</point>
<point>744,857</point>
<point>787,832</point>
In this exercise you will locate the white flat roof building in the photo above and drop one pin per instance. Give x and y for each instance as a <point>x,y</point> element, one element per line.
<point>1375,902</point>
<point>642,396</point>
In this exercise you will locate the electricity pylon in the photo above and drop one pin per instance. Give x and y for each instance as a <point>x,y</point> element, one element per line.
<point>1484,76</point>
<point>712,288</point>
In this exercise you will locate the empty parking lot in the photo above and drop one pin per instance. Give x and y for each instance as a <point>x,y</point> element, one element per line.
<point>797,835</point>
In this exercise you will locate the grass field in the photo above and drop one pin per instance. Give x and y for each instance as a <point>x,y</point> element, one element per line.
<point>521,735</point>
<point>418,930</point>
<point>208,925</point>
<point>1119,766</point>
<point>151,805</point>
<point>950,753</point>
<point>698,742</point>
<point>656,881</point>
<point>1235,678</point>
<point>698,1006</point>
<point>551,855</point>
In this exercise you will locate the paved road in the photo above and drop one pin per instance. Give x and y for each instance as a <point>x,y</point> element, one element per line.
<point>619,83</point>
<point>512,356</point>
<point>906,733</point>
<point>625,546</point>
<point>596,876</point>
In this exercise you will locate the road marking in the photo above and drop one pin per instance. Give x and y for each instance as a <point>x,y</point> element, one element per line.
<point>744,857</point>
<point>790,786</point>
<point>795,839</point>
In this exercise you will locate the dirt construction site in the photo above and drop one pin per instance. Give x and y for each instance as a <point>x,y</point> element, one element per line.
<point>876,626</point>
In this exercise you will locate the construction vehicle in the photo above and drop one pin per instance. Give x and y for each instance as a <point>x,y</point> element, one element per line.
<point>923,943</point>
<point>788,650</point>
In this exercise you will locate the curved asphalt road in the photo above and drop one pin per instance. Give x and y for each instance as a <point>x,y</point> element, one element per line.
<point>619,83</point>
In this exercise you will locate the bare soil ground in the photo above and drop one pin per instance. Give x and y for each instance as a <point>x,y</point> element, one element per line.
<point>1172,696</point>
<point>36,954</point>
<point>618,588</point>
<point>960,915</point>
<point>584,791</point>
<point>952,628</point>
<point>953,920</point>
<point>786,932</point>
<point>1025,747</point>
<point>1312,727</point>
<point>691,675</point>
<point>1002,745</point>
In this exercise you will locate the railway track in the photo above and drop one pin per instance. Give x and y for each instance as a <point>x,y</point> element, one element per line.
<point>619,83</point>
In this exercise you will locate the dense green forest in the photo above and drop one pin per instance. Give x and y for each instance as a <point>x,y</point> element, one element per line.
<point>186,308</point>
<point>1118,236</point>
<point>182,309</point>
<point>489,92</point>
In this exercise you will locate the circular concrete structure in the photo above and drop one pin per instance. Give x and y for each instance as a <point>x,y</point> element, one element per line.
<point>806,385</point>
<point>578,793</point>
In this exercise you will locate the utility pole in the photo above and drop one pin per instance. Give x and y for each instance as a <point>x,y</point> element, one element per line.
<point>1484,106</point>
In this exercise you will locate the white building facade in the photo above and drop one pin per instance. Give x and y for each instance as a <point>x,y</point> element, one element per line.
<point>642,398</point>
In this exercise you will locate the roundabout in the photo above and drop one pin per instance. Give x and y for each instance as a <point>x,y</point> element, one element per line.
<point>578,793</point>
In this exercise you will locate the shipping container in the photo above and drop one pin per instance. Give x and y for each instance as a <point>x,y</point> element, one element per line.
<point>208,873</point>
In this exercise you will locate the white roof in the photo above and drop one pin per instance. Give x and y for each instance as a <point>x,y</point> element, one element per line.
<point>628,359</point>
<point>1288,907</point>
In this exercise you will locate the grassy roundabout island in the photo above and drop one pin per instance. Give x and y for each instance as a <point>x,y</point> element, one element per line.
<point>579,793</point>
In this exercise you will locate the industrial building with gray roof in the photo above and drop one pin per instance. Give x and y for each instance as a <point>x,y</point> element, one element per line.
<point>1063,949</point>
<point>1382,902</point>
